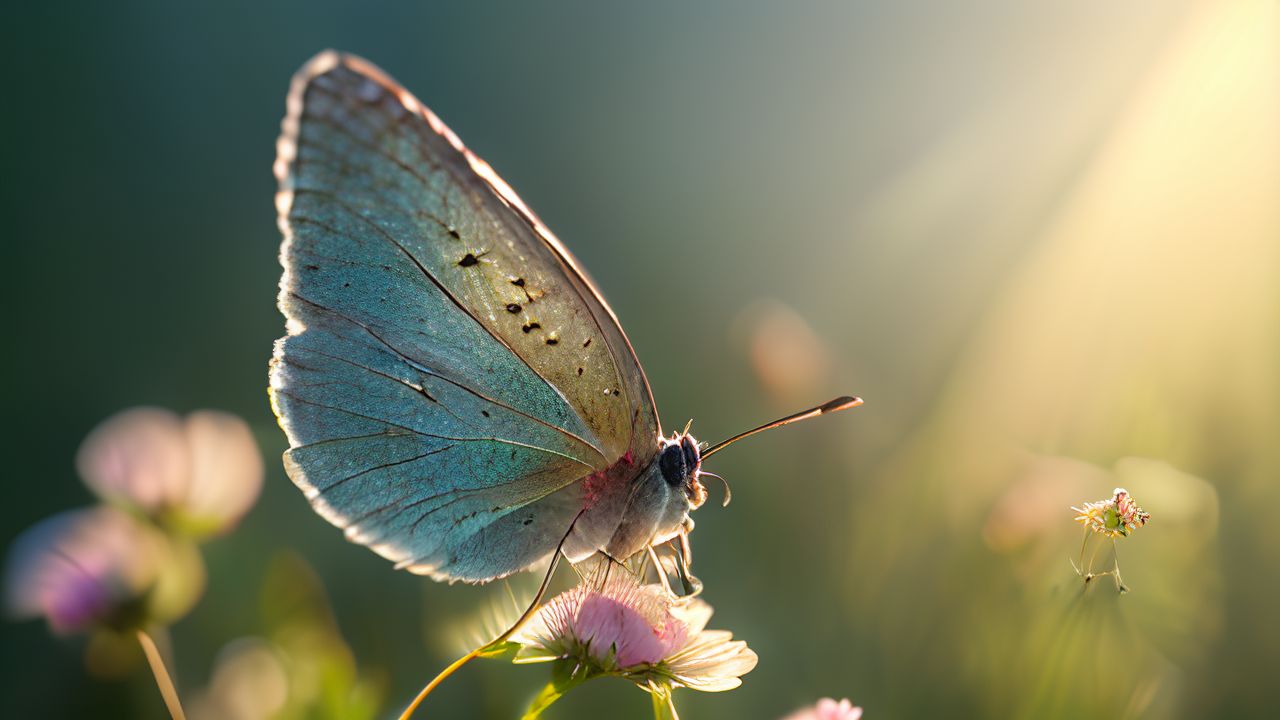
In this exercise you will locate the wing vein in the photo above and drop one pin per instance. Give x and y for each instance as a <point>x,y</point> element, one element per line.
<point>383,466</point>
<point>504,441</point>
<point>461,386</point>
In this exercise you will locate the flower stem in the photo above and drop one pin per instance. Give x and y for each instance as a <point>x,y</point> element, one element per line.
<point>560,685</point>
<point>1083,542</point>
<point>498,641</point>
<point>664,706</point>
<point>444,674</point>
<point>163,681</point>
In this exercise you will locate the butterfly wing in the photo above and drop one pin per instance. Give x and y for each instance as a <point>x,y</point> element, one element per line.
<point>449,373</point>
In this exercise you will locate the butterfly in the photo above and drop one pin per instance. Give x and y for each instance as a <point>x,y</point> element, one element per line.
<point>456,393</point>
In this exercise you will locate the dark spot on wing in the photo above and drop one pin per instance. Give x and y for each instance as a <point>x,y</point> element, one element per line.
<point>552,339</point>
<point>514,308</point>
<point>346,284</point>
<point>519,282</point>
<point>484,413</point>
<point>530,327</point>
<point>579,372</point>
<point>587,343</point>
<point>453,233</point>
<point>311,267</point>
<point>468,260</point>
<point>528,520</point>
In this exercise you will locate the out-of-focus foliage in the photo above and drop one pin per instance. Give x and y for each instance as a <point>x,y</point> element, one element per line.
<point>298,668</point>
<point>1039,238</point>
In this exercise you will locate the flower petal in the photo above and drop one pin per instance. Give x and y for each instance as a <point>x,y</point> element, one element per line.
<point>226,471</point>
<point>137,457</point>
<point>605,623</point>
<point>695,613</point>
<point>828,709</point>
<point>81,567</point>
<point>713,663</point>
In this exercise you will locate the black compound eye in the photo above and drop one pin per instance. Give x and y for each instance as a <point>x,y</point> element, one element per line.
<point>671,463</point>
<point>691,453</point>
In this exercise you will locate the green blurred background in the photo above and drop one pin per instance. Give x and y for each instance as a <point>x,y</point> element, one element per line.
<point>1042,240</point>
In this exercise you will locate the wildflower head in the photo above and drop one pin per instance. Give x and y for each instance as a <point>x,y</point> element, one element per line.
<point>611,624</point>
<point>828,709</point>
<point>199,474</point>
<point>97,567</point>
<point>1114,517</point>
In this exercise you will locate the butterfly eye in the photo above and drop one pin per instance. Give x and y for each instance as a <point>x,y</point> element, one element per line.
<point>671,463</point>
<point>691,453</point>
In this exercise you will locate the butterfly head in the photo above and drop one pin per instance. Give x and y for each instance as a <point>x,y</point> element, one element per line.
<point>680,460</point>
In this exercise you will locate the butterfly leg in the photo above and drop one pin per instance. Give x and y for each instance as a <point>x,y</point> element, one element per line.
<point>683,556</point>
<point>633,565</point>
<point>660,570</point>
<point>494,644</point>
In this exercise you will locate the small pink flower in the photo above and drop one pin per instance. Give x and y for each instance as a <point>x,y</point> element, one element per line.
<point>828,709</point>
<point>1114,517</point>
<point>618,626</point>
<point>633,624</point>
<point>200,473</point>
<point>82,568</point>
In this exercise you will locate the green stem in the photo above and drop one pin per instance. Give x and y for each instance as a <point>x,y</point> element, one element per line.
<point>497,643</point>
<point>560,685</point>
<point>664,706</point>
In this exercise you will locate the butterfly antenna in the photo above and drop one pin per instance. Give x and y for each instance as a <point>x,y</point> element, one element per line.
<point>836,405</point>
<point>728,495</point>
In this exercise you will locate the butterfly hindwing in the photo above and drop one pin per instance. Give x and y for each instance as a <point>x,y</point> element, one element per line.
<point>449,373</point>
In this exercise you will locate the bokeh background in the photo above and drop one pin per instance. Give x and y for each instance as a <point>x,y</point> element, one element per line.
<point>1042,240</point>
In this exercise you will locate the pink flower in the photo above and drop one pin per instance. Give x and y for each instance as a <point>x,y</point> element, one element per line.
<point>83,568</point>
<point>199,474</point>
<point>633,624</point>
<point>828,709</point>
<point>618,626</point>
<point>1114,517</point>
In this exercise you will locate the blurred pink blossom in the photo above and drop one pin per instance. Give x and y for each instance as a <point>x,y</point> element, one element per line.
<point>81,568</point>
<point>828,709</point>
<point>200,473</point>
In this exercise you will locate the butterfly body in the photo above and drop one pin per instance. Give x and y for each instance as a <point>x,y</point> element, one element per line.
<point>456,394</point>
<point>653,509</point>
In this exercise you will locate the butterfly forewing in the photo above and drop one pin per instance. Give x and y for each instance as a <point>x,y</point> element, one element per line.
<point>449,373</point>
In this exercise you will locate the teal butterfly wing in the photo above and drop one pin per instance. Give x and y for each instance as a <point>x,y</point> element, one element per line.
<point>450,375</point>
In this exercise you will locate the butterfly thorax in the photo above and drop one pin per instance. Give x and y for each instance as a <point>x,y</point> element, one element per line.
<point>635,504</point>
